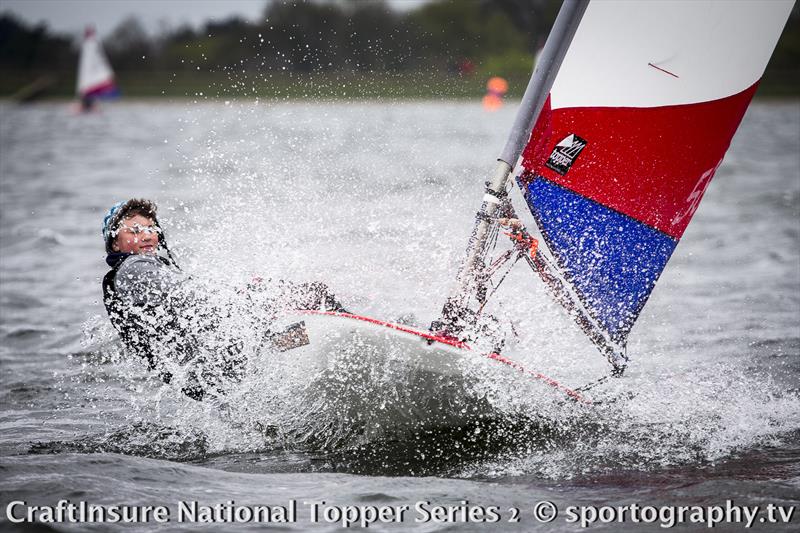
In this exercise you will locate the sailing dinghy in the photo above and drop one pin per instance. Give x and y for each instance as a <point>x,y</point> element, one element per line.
<point>95,77</point>
<point>625,120</point>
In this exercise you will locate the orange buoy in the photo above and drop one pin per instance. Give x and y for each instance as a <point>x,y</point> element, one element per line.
<point>496,88</point>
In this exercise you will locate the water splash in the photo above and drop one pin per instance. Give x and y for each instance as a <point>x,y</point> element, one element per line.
<point>253,203</point>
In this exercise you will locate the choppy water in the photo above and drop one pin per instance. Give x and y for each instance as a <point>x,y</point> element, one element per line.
<point>377,201</point>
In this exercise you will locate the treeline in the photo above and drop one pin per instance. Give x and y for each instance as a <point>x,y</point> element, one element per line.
<point>327,39</point>
<point>355,36</point>
<point>447,37</point>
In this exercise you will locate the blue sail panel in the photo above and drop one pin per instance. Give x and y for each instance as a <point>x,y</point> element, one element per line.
<point>611,260</point>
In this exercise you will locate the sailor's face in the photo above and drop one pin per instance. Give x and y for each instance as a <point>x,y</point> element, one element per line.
<point>137,235</point>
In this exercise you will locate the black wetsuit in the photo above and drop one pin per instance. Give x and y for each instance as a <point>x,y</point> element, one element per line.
<point>140,296</point>
<point>161,320</point>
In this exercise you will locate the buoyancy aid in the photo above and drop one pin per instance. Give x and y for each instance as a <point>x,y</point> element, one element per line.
<point>137,334</point>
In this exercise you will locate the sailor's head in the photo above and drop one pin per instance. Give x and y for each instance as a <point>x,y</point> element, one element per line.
<point>132,227</point>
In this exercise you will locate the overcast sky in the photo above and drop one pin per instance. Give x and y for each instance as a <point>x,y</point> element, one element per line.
<point>72,16</point>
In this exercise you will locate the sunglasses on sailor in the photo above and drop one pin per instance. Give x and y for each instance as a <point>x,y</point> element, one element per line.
<point>138,229</point>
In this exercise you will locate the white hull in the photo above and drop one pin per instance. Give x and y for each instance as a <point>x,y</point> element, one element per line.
<point>388,380</point>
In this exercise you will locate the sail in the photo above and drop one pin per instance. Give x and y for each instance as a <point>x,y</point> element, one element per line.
<point>639,117</point>
<point>95,77</point>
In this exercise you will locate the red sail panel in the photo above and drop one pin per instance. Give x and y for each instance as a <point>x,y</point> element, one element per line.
<point>650,163</point>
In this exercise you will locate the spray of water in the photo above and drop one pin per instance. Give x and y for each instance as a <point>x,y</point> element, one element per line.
<point>268,194</point>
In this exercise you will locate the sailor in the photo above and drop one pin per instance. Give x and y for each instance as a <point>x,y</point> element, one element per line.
<point>163,317</point>
<point>140,291</point>
<point>86,104</point>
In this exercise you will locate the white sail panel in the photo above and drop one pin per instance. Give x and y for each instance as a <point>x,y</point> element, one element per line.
<point>667,52</point>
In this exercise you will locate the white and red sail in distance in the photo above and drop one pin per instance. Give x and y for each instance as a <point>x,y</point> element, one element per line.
<point>639,118</point>
<point>95,77</point>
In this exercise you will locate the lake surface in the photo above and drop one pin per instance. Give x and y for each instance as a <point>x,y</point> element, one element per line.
<point>377,200</point>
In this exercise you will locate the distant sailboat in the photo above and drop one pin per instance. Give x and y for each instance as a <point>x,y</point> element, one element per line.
<point>95,77</point>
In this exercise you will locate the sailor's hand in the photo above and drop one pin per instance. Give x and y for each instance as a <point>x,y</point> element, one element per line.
<point>512,223</point>
<point>256,283</point>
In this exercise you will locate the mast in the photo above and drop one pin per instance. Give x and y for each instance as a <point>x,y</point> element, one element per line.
<point>533,100</point>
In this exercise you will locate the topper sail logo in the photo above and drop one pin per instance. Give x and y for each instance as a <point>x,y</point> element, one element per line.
<point>565,153</point>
